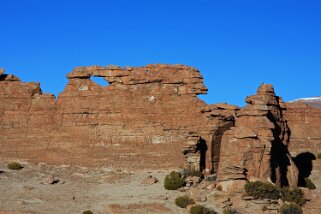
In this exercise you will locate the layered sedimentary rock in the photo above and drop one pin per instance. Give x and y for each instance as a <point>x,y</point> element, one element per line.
<point>256,148</point>
<point>304,122</point>
<point>147,117</point>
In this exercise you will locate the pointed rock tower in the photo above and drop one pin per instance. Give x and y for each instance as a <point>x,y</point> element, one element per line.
<point>256,148</point>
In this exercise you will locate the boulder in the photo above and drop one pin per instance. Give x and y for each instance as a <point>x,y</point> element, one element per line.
<point>149,180</point>
<point>197,195</point>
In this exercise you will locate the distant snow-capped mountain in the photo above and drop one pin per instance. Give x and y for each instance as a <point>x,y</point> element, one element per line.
<point>312,101</point>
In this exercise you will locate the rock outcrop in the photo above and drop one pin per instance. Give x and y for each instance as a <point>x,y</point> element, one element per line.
<point>147,117</point>
<point>256,148</point>
<point>150,118</point>
<point>304,122</point>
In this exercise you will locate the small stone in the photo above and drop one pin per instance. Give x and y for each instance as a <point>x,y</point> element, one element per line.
<point>28,187</point>
<point>280,202</point>
<point>187,188</point>
<point>195,179</point>
<point>50,179</point>
<point>197,195</point>
<point>211,186</point>
<point>203,185</point>
<point>248,198</point>
<point>149,180</point>
<point>261,202</point>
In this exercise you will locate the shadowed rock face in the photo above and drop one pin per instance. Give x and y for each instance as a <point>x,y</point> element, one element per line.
<point>256,148</point>
<point>147,117</point>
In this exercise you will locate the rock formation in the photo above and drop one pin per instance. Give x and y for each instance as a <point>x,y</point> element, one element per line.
<point>147,117</point>
<point>256,148</point>
<point>150,118</point>
<point>304,122</point>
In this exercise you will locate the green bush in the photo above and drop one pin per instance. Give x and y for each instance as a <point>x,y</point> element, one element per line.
<point>199,209</point>
<point>229,210</point>
<point>87,212</point>
<point>319,155</point>
<point>173,181</point>
<point>192,172</point>
<point>14,166</point>
<point>291,208</point>
<point>309,184</point>
<point>184,201</point>
<point>294,195</point>
<point>261,190</point>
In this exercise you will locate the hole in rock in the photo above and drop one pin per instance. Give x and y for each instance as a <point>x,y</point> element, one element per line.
<point>100,81</point>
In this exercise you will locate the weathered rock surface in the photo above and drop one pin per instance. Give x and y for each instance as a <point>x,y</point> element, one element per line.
<point>144,116</point>
<point>151,118</point>
<point>304,122</point>
<point>256,148</point>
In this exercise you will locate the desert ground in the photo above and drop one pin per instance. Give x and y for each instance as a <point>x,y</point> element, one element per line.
<point>41,188</point>
<point>76,189</point>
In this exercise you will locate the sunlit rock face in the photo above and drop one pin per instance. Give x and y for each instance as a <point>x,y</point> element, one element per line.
<point>304,122</point>
<point>147,117</point>
<point>151,118</point>
<point>256,148</point>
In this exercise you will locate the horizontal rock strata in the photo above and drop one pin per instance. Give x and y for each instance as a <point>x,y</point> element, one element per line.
<point>147,117</point>
<point>150,118</point>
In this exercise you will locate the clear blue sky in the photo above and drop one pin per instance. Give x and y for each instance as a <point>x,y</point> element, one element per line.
<point>236,44</point>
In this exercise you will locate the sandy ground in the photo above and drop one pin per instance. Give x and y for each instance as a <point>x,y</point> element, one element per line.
<point>104,191</point>
<point>80,189</point>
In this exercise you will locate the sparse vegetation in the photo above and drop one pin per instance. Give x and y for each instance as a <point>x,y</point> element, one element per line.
<point>319,155</point>
<point>309,184</point>
<point>87,212</point>
<point>14,166</point>
<point>199,209</point>
<point>173,181</point>
<point>291,208</point>
<point>261,190</point>
<point>184,201</point>
<point>229,210</point>
<point>192,172</point>
<point>294,195</point>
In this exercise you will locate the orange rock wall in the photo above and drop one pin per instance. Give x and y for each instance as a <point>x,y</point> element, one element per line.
<point>305,125</point>
<point>147,117</point>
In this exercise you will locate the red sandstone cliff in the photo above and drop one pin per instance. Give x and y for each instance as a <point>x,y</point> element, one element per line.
<point>151,117</point>
<point>147,117</point>
<point>257,147</point>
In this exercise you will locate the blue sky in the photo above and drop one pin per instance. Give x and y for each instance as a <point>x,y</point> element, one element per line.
<point>236,44</point>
